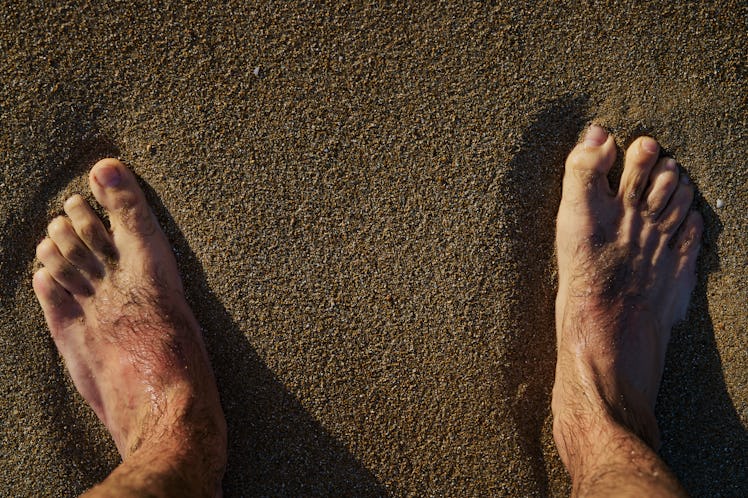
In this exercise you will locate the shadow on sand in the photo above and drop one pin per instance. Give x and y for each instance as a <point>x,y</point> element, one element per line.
<point>533,180</point>
<point>275,447</point>
<point>704,441</point>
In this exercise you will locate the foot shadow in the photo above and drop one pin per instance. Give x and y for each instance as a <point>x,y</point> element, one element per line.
<point>703,440</point>
<point>275,447</point>
<point>533,182</point>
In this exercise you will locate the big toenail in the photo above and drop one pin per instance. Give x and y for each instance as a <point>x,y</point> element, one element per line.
<point>650,145</point>
<point>596,136</point>
<point>108,176</point>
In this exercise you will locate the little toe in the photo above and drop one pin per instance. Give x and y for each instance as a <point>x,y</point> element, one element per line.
<point>116,189</point>
<point>59,307</point>
<point>587,167</point>
<point>677,208</point>
<point>73,249</point>
<point>662,184</point>
<point>688,240</point>
<point>90,229</point>
<point>687,245</point>
<point>641,157</point>
<point>61,269</point>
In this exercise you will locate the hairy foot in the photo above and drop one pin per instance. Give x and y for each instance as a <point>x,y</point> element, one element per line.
<point>114,304</point>
<point>626,272</point>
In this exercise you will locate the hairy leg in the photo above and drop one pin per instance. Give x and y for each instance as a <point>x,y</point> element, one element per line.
<point>626,272</point>
<point>114,303</point>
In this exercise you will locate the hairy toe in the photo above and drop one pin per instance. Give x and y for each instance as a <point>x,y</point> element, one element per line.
<point>141,245</point>
<point>585,175</point>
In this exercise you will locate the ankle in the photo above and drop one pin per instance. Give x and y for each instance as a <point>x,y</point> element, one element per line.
<point>608,459</point>
<point>186,432</point>
<point>579,435</point>
<point>162,471</point>
<point>191,459</point>
<point>592,408</point>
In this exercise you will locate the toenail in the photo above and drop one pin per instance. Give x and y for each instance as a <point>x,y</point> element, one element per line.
<point>670,163</point>
<point>650,145</point>
<point>596,136</point>
<point>108,176</point>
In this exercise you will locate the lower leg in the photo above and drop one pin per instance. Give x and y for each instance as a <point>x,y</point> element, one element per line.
<point>605,456</point>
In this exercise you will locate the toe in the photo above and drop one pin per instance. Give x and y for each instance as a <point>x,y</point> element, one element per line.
<point>641,157</point>
<point>687,245</point>
<point>116,189</point>
<point>585,175</point>
<point>59,307</point>
<point>90,229</point>
<point>688,240</point>
<point>61,270</point>
<point>677,208</point>
<point>73,249</point>
<point>662,184</point>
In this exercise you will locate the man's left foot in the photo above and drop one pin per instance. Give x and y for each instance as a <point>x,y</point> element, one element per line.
<point>114,304</point>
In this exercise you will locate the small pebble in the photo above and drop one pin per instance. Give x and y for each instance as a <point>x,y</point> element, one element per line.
<point>720,203</point>
<point>256,72</point>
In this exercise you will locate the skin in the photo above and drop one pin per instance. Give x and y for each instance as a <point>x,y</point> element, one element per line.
<point>627,267</point>
<point>114,303</point>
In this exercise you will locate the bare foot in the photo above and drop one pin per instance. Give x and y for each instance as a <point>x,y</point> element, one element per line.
<point>627,264</point>
<point>114,303</point>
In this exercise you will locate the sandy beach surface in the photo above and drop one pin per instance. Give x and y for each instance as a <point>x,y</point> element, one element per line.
<point>362,202</point>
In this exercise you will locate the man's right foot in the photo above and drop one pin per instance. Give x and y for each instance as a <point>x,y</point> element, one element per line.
<point>627,263</point>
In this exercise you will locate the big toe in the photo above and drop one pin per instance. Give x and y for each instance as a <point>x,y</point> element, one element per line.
<point>117,190</point>
<point>587,167</point>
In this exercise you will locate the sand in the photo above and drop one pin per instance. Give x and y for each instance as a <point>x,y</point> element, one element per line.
<point>362,202</point>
